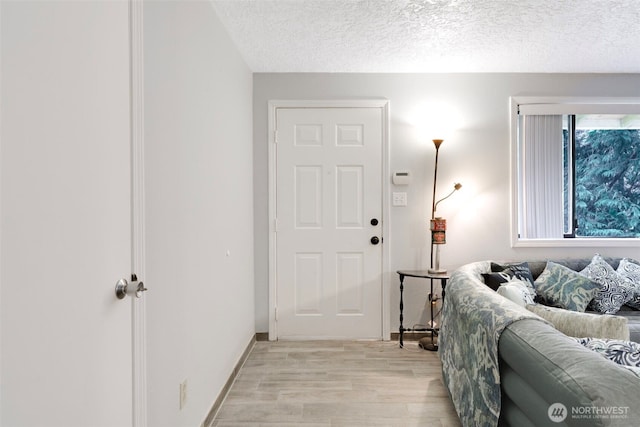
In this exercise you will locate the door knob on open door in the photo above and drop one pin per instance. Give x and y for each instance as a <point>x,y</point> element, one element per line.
<point>135,288</point>
<point>375,240</point>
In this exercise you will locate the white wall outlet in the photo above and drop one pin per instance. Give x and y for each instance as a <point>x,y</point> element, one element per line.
<point>183,394</point>
<point>399,199</point>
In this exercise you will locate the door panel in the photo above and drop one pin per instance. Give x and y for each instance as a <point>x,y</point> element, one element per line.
<point>350,273</point>
<point>65,217</point>
<point>350,197</point>
<point>308,200</point>
<point>308,283</point>
<point>329,184</point>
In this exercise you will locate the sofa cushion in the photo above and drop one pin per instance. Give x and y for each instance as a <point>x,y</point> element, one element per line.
<point>562,287</point>
<point>517,291</point>
<point>575,324</point>
<point>633,320</point>
<point>631,271</point>
<point>620,351</point>
<point>614,290</point>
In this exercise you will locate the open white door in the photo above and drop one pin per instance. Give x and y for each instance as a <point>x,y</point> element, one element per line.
<point>329,232</point>
<point>65,214</point>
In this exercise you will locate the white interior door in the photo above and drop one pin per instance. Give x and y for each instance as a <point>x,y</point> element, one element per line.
<point>65,214</point>
<point>329,208</point>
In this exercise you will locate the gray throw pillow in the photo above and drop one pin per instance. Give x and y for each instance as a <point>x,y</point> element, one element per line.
<point>562,287</point>
<point>614,291</point>
<point>630,270</point>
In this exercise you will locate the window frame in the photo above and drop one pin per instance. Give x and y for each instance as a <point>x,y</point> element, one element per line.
<point>569,105</point>
<point>571,129</point>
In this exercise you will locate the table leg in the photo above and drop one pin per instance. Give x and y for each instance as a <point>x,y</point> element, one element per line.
<point>401,328</point>
<point>432,326</point>
<point>427,342</point>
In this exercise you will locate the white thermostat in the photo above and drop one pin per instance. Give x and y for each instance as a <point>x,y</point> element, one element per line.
<point>402,178</point>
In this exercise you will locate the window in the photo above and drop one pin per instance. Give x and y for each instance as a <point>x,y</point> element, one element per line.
<point>603,178</point>
<point>576,171</point>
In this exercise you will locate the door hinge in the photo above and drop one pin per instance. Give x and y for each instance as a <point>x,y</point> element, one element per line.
<point>275,225</point>
<point>275,136</point>
<point>276,313</point>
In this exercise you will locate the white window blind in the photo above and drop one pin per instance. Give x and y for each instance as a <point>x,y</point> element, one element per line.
<point>541,177</point>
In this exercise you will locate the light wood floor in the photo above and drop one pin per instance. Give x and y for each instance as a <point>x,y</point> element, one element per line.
<point>336,383</point>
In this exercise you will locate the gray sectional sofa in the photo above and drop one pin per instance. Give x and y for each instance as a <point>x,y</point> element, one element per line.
<point>505,365</point>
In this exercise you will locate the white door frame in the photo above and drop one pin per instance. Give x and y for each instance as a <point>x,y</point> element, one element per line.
<point>274,105</point>
<point>138,305</point>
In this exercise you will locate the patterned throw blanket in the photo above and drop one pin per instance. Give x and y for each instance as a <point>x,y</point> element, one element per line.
<point>473,317</point>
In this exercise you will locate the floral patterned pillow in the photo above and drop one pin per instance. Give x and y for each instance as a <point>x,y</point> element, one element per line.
<point>630,270</point>
<point>614,291</point>
<point>560,286</point>
<point>622,352</point>
<point>519,270</point>
<point>494,280</point>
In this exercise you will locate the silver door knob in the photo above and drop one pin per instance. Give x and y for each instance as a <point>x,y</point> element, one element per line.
<point>124,288</point>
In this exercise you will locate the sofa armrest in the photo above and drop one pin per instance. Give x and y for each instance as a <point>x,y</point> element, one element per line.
<point>557,369</point>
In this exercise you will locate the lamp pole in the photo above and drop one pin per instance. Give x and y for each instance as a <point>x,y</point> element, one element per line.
<point>437,143</point>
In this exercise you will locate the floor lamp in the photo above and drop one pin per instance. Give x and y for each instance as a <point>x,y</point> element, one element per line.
<point>438,227</point>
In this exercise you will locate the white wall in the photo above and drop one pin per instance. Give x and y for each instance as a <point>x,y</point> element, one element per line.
<point>476,155</point>
<point>199,200</point>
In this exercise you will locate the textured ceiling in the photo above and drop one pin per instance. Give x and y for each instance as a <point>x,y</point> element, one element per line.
<point>435,35</point>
